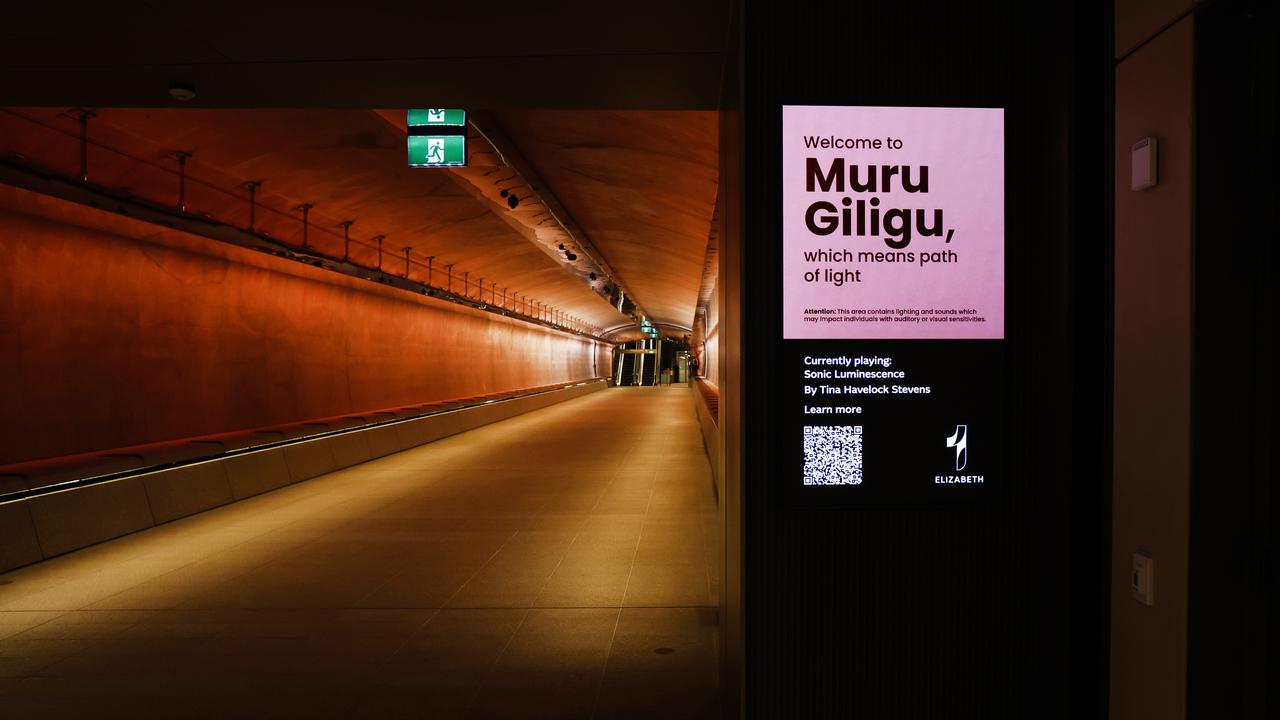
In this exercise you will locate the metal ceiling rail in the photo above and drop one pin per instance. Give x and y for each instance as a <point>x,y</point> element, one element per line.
<point>499,177</point>
<point>491,131</point>
<point>18,171</point>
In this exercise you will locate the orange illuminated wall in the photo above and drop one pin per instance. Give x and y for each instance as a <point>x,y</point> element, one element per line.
<point>114,332</point>
<point>710,362</point>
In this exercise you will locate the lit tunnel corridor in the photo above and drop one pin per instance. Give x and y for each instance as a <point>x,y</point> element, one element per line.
<point>307,431</point>
<point>562,563</point>
<point>887,360</point>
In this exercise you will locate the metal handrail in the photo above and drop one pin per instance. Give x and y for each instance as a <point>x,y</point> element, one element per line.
<point>307,437</point>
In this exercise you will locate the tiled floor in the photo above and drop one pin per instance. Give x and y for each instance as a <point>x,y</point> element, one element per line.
<point>561,564</point>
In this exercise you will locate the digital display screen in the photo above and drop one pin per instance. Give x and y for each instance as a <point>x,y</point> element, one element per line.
<point>893,304</point>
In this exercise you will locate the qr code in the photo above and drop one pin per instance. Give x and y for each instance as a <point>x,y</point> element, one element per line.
<point>833,455</point>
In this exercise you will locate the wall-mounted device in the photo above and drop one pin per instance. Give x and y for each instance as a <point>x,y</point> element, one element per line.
<point>1144,159</point>
<point>1143,579</point>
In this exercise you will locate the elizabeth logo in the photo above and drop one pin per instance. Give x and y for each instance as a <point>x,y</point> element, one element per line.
<point>960,441</point>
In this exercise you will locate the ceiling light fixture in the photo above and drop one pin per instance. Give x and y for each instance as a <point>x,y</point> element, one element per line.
<point>182,91</point>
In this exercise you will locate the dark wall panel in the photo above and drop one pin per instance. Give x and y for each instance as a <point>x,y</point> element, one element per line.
<point>1154,296</point>
<point>1233,624</point>
<point>991,610</point>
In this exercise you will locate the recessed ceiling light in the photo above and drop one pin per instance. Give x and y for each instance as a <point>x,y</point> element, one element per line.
<point>181,91</point>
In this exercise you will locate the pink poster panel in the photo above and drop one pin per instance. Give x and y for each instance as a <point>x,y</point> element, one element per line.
<point>893,223</point>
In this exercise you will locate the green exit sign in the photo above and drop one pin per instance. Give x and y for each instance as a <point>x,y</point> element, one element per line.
<point>437,137</point>
<point>437,117</point>
<point>437,150</point>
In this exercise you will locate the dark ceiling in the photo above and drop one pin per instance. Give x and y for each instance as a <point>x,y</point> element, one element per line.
<point>575,54</point>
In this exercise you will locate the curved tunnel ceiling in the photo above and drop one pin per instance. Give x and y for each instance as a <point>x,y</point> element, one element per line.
<point>640,184</point>
<point>643,187</point>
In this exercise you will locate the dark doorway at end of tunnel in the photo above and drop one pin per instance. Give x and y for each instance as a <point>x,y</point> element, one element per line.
<point>652,362</point>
